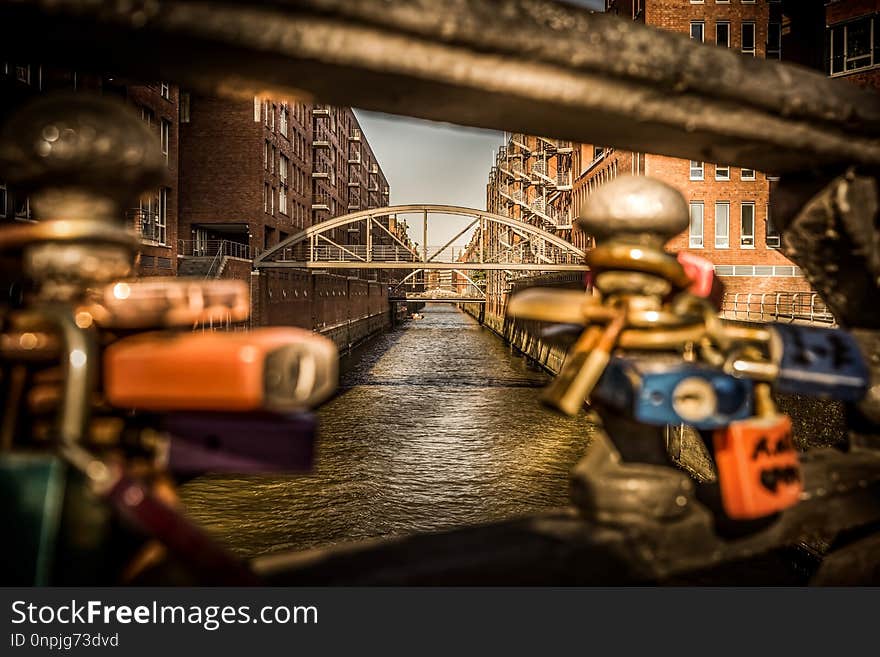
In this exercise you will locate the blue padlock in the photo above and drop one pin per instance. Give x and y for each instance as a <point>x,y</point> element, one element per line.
<point>818,362</point>
<point>661,392</point>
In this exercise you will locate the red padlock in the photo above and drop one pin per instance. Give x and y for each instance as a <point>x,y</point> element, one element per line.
<point>758,466</point>
<point>704,282</point>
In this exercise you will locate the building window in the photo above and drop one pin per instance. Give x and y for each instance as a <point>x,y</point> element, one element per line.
<point>165,90</point>
<point>283,167</point>
<point>147,116</point>
<point>272,202</point>
<point>747,226</point>
<point>747,174</point>
<point>774,41</point>
<point>771,234</point>
<point>748,38</point>
<point>273,155</point>
<point>2,200</point>
<point>22,206</point>
<point>698,29</point>
<point>162,217</point>
<point>282,200</point>
<point>722,34</point>
<point>851,46</point>
<point>165,137</point>
<point>597,152</point>
<point>722,172</point>
<point>184,107</point>
<point>696,170</point>
<point>722,225</point>
<point>266,198</point>
<point>272,117</point>
<point>23,73</point>
<point>266,107</point>
<point>284,121</point>
<point>266,149</point>
<point>695,240</point>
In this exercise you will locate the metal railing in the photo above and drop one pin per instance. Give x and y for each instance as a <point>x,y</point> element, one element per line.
<point>213,248</point>
<point>806,307</point>
<point>520,140</point>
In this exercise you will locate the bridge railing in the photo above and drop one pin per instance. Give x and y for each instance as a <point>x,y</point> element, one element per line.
<point>805,307</point>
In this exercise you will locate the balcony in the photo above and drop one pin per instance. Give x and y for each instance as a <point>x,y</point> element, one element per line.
<point>521,140</point>
<point>321,112</point>
<point>322,142</point>
<point>355,135</point>
<point>354,157</point>
<point>563,179</point>
<point>321,201</point>
<point>321,169</point>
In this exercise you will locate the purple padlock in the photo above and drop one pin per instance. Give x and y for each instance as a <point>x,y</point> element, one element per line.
<point>241,443</point>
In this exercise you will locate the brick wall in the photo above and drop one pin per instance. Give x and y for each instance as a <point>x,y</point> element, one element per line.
<point>160,259</point>
<point>843,10</point>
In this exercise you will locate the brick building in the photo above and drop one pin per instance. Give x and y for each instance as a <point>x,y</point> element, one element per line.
<point>730,211</point>
<point>155,218</point>
<point>257,171</point>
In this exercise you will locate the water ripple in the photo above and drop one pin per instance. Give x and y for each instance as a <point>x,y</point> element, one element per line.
<point>436,425</point>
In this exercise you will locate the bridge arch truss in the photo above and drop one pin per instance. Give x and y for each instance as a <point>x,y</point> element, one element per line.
<point>374,239</point>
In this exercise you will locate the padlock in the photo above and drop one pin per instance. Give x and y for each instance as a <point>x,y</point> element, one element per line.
<point>670,391</point>
<point>818,362</point>
<point>279,369</point>
<point>704,282</point>
<point>758,467</point>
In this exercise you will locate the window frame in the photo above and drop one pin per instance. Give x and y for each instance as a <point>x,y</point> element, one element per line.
<point>753,51</point>
<point>727,25</point>
<point>743,176</point>
<point>701,168</point>
<point>162,216</point>
<point>743,235</point>
<point>722,177</point>
<point>165,137</point>
<point>693,236</point>
<point>702,26</point>
<point>722,240</point>
<point>844,56</point>
<point>772,236</point>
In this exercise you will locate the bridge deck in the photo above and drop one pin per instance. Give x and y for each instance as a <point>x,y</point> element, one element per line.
<point>450,266</point>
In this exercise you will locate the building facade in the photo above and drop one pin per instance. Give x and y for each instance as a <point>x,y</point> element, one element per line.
<point>157,104</point>
<point>258,171</point>
<point>730,218</point>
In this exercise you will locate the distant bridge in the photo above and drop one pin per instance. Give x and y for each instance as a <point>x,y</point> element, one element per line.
<point>371,239</point>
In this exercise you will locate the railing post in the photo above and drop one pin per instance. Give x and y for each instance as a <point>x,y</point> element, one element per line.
<point>425,237</point>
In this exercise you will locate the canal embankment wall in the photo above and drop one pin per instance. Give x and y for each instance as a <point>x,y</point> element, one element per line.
<point>524,335</point>
<point>348,310</point>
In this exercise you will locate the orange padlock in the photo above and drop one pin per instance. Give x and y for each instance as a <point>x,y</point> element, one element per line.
<point>758,466</point>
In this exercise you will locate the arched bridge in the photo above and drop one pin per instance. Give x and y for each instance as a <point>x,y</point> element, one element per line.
<point>378,239</point>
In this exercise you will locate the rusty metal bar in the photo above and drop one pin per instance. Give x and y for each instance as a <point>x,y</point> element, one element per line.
<point>533,66</point>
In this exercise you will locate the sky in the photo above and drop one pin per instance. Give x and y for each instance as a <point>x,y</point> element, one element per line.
<point>438,163</point>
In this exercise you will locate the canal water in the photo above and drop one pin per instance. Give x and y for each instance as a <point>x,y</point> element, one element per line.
<point>436,425</point>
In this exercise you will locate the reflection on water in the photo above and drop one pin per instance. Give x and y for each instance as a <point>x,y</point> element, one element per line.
<point>436,425</point>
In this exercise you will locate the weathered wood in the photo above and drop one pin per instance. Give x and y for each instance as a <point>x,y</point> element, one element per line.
<point>525,65</point>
